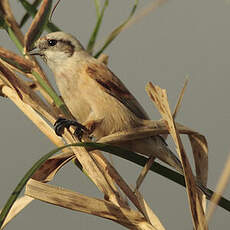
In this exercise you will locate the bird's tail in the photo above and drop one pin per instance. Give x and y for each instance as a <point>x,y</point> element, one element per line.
<point>164,153</point>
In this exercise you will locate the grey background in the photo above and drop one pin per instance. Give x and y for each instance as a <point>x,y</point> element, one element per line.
<point>180,38</point>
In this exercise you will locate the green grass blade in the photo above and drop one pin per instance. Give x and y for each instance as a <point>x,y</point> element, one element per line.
<point>22,184</point>
<point>117,31</point>
<point>97,6</point>
<point>50,27</point>
<point>14,38</point>
<point>93,36</point>
<point>27,15</point>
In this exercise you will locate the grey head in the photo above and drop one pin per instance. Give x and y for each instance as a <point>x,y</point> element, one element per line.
<point>56,48</point>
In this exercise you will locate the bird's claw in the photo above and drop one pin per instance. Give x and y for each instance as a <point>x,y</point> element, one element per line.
<point>62,123</point>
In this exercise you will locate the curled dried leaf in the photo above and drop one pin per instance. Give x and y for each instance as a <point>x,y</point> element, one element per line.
<point>48,170</point>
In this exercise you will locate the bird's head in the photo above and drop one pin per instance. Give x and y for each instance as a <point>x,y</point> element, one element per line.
<point>56,48</point>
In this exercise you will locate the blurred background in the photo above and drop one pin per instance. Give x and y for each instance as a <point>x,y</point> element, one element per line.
<point>181,38</point>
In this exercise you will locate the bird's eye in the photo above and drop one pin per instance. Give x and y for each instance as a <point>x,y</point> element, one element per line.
<point>52,42</point>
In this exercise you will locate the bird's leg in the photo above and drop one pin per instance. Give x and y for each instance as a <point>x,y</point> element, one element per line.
<point>62,123</point>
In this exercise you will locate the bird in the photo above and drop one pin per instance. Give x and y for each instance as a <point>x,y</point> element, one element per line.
<point>99,101</point>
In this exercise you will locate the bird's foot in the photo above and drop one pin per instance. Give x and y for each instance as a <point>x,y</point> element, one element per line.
<point>62,123</point>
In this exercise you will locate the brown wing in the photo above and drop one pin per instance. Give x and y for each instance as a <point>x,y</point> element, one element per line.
<point>113,86</point>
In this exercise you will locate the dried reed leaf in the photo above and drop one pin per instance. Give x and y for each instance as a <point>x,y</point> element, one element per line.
<point>17,207</point>
<point>8,77</point>
<point>1,85</point>
<point>20,63</point>
<point>32,115</point>
<point>26,93</point>
<point>178,105</point>
<point>148,213</point>
<point>112,176</point>
<point>38,24</point>
<point>200,154</point>
<point>92,170</point>
<point>222,183</point>
<point>159,97</point>
<point>180,99</point>
<point>151,128</point>
<point>144,172</point>
<point>78,202</point>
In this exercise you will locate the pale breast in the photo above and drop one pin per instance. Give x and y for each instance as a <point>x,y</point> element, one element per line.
<point>68,84</point>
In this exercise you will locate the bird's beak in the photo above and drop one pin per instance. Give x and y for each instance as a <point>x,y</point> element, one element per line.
<point>35,51</point>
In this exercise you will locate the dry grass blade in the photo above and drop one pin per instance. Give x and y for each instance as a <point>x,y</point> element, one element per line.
<point>113,176</point>
<point>32,115</point>
<point>25,93</point>
<point>20,63</point>
<point>148,213</point>
<point>78,202</point>
<point>151,128</point>
<point>159,97</point>
<point>200,154</point>
<point>38,24</point>
<point>9,78</point>
<point>92,169</point>
<point>18,206</point>
<point>224,179</point>
<point>180,99</point>
<point>144,172</point>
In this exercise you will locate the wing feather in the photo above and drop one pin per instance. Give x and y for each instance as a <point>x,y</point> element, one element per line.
<point>113,86</point>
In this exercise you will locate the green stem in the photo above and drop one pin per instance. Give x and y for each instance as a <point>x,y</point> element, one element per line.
<point>14,38</point>
<point>117,30</point>
<point>27,15</point>
<point>50,27</point>
<point>93,36</point>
